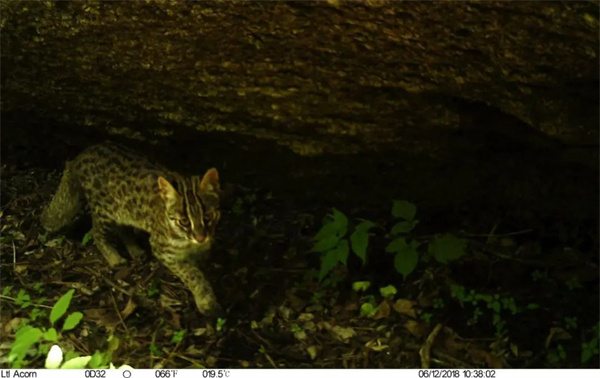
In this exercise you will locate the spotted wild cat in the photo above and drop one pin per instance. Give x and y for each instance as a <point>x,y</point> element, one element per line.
<point>124,188</point>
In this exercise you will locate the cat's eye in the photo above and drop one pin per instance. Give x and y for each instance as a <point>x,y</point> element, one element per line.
<point>184,222</point>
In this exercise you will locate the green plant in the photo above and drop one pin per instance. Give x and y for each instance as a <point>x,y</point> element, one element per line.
<point>221,324</point>
<point>590,348</point>
<point>495,303</point>
<point>361,285</point>
<point>28,336</point>
<point>388,291</point>
<point>443,248</point>
<point>426,317</point>
<point>557,355</point>
<point>573,283</point>
<point>571,322</point>
<point>178,336</point>
<point>33,341</point>
<point>332,243</point>
<point>23,299</point>
<point>335,246</point>
<point>86,238</point>
<point>154,350</point>
<point>369,308</point>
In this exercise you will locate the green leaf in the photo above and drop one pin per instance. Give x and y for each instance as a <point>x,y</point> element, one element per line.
<point>97,360</point>
<point>77,363</point>
<point>367,310</point>
<point>24,339</point>
<point>447,248</point>
<point>360,240</point>
<point>51,335</point>
<point>342,251</point>
<point>341,221</point>
<point>61,306</point>
<point>396,245</point>
<point>6,290</point>
<point>586,354</point>
<point>86,238</point>
<point>328,229</point>
<point>365,225</point>
<point>154,349</point>
<point>404,227</point>
<point>220,323</point>
<point>361,285</point>
<point>178,336</point>
<point>404,209</point>
<point>388,291</point>
<point>329,261</point>
<point>405,261</point>
<point>72,321</point>
<point>326,244</point>
<point>113,344</point>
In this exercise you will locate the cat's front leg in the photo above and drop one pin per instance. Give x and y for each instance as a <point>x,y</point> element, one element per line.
<point>196,282</point>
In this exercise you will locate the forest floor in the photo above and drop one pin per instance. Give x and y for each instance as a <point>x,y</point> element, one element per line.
<point>525,293</point>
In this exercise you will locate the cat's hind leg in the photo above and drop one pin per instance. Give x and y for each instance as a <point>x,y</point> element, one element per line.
<point>101,233</point>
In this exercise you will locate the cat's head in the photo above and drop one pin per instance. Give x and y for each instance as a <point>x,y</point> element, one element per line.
<point>192,209</point>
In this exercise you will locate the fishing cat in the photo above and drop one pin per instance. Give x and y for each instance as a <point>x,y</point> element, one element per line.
<point>124,188</point>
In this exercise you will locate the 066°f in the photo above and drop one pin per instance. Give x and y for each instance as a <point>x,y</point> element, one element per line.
<point>165,373</point>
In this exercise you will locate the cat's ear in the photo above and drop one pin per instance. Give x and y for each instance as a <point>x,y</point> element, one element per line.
<point>210,181</point>
<point>167,191</point>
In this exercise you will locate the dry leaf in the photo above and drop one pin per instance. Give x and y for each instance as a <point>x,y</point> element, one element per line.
<point>376,345</point>
<point>405,307</point>
<point>129,308</point>
<point>343,333</point>
<point>418,329</point>
<point>557,333</point>
<point>383,310</point>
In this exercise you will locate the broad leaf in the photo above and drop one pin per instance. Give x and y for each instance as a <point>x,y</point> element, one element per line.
<point>97,360</point>
<point>329,261</point>
<point>326,244</point>
<point>404,209</point>
<point>327,230</point>
<point>404,227</point>
<point>72,321</point>
<point>341,221</point>
<point>361,285</point>
<point>396,245</point>
<point>51,335</point>
<point>368,310</point>
<point>360,240</point>
<point>388,291</point>
<point>77,363</point>
<point>447,248</point>
<point>406,261</point>
<point>343,250</point>
<point>61,306</point>
<point>24,339</point>
<point>365,225</point>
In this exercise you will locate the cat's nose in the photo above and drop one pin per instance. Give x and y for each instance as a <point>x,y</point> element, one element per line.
<point>200,238</point>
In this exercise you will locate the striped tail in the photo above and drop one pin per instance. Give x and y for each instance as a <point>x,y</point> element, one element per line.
<point>65,204</point>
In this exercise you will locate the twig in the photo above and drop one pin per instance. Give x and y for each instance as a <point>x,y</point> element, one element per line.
<point>425,351</point>
<point>196,364</point>
<point>30,303</point>
<point>119,313</point>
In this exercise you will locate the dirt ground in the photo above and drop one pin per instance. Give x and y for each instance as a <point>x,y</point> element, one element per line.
<point>530,219</point>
